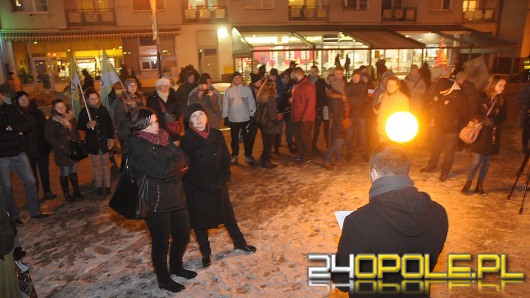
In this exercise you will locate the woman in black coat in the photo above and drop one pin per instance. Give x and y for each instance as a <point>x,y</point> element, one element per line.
<point>489,140</point>
<point>99,138</point>
<point>164,101</point>
<point>61,127</point>
<point>266,99</point>
<point>150,152</point>
<point>205,183</point>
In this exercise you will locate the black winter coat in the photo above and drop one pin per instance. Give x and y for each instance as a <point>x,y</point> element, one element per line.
<point>12,142</point>
<point>398,222</point>
<point>59,138</point>
<point>450,112</point>
<point>172,108</point>
<point>96,139</point>
<point>208,200</point>
<point>357,94</point>
<point>489,140</point>
<point>38,123</point>
<point>164,168</point>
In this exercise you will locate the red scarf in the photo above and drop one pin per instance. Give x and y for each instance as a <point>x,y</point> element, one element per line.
<point>203,133</point>
<point>161,138</point>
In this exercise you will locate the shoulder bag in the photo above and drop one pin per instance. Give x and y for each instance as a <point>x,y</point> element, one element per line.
<point>131,197</point>
<point>469,134</point>
<point>77,150</point>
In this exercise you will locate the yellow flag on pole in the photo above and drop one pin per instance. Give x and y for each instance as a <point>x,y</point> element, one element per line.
<point>75,83</point>
<point>109,77</point>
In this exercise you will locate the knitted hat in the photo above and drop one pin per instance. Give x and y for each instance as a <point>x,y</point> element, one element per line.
<point>443,84</point>
<point>190,110</point>
<point>162,81</point>
<point>254,77</point>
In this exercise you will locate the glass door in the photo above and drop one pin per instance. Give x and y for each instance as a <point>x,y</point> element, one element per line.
<point>41,72</point>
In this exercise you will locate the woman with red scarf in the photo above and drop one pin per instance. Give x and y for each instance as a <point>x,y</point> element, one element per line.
<point>150,152</point>
<point>205,183</point>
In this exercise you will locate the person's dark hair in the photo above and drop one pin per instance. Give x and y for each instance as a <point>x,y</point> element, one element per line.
<point>390,159</point>
<point>284,75</point>
<point>89,91</point>
<point>492,82</point>
<point>395,79</point>
<point>141,119</point>
<point>85,72</point>
<point>18,95</point>
<point>315,67</point>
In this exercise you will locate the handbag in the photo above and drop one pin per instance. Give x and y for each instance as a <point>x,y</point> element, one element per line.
<point>77,150</point>
<point>471,131</point>
<point>172,125</point>
<point>131,197</point>
<point>262,116</point>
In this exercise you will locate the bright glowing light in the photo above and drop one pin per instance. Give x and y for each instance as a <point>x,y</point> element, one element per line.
<point>401,127</point>
<point>222,32</point>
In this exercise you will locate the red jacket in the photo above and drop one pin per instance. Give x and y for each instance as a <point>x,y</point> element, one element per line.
<point>303,107</point>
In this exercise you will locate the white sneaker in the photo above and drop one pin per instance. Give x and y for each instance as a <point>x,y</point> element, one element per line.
<point>233,159</point>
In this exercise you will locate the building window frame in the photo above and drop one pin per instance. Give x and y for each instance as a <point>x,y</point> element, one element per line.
<point>356,4</point>
<point>441,5</point>
<point>33,9</point>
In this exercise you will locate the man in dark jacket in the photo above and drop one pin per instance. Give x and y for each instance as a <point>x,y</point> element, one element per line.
<point>357,94</point>
<point>185,88</point>
<point>450,112</point>
<point>322,114</point>
<point>12,157</point>
<point>303,111</point>
<point>398,218</point>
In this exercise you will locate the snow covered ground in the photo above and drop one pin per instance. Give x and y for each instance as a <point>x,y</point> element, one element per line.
<point>87,250</point>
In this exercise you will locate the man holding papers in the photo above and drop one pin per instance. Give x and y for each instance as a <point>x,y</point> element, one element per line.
<point>399,219</point>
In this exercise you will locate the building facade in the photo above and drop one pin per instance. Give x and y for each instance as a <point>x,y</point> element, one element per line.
<point>38,38</point>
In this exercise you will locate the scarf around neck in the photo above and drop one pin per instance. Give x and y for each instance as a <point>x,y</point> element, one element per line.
<point>163,95</point>
<point>62,119</point>
<point>161,138</point>
<point>389,183</point>
<point>205,133</point>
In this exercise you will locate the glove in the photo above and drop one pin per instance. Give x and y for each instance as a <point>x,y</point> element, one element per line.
<point>253,120</point>
<point>226,122</point>
<point>91,124</point>
<point>110,144</point>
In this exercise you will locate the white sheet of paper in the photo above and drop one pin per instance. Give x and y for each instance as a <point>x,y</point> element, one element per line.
<point>341,216</point>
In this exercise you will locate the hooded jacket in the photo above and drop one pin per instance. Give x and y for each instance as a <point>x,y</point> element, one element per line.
<point>397,220</point>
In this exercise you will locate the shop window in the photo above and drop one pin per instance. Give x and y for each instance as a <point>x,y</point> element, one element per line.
<point>259,4</point>
<point>146,5</point>
<point>356,4</point>
<point>149,63</point>
<point>471,5</point>
<point>202,3</point>
<point>30,5</point>
<point>441,4</point>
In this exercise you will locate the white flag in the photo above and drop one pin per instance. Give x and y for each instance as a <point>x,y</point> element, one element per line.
<point>109,77</point>
<point>75,83</point>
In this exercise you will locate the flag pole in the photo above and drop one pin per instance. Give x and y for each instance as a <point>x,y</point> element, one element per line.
<point>84,100</point>
<point>155,36</point>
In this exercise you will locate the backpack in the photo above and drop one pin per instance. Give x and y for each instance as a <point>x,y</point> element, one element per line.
<point>262,116</point>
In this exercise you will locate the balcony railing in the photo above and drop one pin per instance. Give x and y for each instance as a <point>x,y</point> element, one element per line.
<point>85,18</point>
<point>406,14</point>
<point>205,14</point>
<point>308,13</point>
<point>481,15</point>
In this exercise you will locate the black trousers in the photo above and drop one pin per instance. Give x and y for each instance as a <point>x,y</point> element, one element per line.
<point>231,227</point>
<point>446,143</point>
<point>161,225</point>
<point>249,135</point>
<point>316,131</point>
<point>43,163</point>
<point>302,135</point>
<point>268,141</point>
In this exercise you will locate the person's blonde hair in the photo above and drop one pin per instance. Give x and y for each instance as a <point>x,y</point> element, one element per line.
<point>266,90</point>
<point>490,88</point>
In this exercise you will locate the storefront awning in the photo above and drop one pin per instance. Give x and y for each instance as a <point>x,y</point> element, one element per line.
<point>19,35</point>
<point>385,40</point>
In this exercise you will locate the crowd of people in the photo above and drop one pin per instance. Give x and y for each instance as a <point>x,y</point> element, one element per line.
<point>173,138</point>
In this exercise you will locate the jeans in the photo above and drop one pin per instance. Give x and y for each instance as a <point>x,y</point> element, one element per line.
<point>357,125</point>
<point>334,150</point>
<point>19,164</point>
<point>101,162</point>
<point>302,135</point>
<point>443,142</point>
<point>268,140</point>
<point>288,133</point>
<point>161,225</point>
<point>248,137</point>
<point>68,170</point>
<point>478,160</point>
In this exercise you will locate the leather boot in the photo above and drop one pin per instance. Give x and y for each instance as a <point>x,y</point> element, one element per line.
<point>75,185</point>
<point>466,187</point>
<point>64,186</point>
<point>168,284</point>
<point>479,188</point>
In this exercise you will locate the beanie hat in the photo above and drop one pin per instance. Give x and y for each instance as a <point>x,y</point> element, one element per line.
<point>162,81</point>
<point>190,110</point>
<point>443,84</point>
